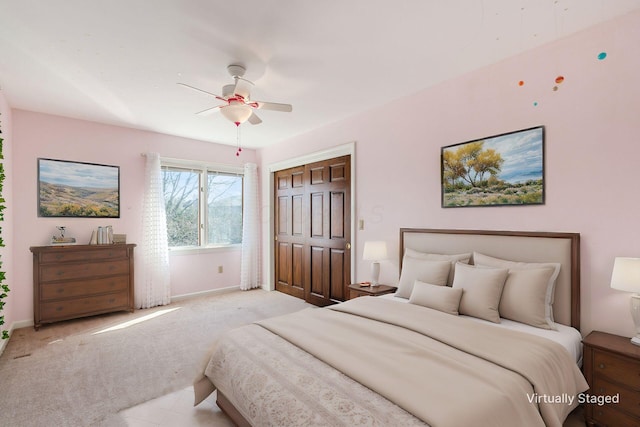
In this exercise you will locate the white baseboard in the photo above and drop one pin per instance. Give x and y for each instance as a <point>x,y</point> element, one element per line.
<point>176,298</point>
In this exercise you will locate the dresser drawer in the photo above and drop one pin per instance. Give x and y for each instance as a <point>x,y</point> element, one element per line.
<point>112,252</point>
<point>60,290</point>
<point>616,369</point>
<point>53,272</point>
<point>63,309</point>
<point>608,416</point>
<point>629,399</point>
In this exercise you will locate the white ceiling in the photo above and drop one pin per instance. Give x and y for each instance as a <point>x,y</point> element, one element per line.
<point>118,61</point>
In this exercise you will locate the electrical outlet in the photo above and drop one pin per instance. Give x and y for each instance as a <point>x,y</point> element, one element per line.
<point>219,269</point>
<point>361,224</point>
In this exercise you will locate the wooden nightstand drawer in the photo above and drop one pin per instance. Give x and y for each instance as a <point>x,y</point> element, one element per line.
<point>617,369</point>
<point>605,416</point>
<point>629,399</point>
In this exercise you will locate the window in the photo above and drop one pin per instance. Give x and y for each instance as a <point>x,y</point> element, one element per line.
<point>203,204</point>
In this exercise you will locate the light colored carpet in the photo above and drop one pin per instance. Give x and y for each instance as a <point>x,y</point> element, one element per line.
<point>77,374</point>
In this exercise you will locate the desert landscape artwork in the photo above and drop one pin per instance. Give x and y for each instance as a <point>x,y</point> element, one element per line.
<point>77,189</point>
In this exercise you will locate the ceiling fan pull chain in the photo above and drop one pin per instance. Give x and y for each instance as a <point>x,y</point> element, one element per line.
<point>239,150</point>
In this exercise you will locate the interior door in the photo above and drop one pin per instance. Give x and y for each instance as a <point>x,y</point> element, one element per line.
<point>313,231</point>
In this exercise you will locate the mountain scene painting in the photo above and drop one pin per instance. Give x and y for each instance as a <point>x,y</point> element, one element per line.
<point>75,189</point>
<point>506,169</point>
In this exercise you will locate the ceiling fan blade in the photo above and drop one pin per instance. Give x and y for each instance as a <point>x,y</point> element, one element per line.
<point>254,119</point>
<point>242,88</point>
<point>287,108</point>
<point>208,110</point>
<point>203,91</point>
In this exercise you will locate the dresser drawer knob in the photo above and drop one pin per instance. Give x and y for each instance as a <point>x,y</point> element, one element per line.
<point>601,390</point>
<point>601,366</point>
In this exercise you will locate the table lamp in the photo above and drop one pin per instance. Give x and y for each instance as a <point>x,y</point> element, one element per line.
<point>626,277</point>
<point>375,251</point>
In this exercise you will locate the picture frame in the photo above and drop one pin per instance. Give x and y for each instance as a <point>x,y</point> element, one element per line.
<point>499,170</point>
<point>78,189</point>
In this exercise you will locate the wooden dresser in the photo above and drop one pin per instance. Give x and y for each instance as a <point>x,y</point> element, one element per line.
<point>81,280</point>
<point>612,368</point>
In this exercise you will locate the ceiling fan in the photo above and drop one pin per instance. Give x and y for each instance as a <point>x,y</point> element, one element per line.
<point>237,104</point>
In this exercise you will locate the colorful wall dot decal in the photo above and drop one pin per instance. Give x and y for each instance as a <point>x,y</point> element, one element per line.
<point>559,79</point>
<point>521,83</point>
<point>535,103</point>
<point>602,55</point>
<point>555,88</point>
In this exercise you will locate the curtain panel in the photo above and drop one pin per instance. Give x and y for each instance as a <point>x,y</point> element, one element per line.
<point>250,261</point>
<point>154,287</point>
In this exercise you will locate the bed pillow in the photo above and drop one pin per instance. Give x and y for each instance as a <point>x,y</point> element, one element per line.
<point>441,298</point>
<point>524,297</point>
<point>434,272</point>
<point>488,261</point>
<point>441,257</point>
<point>482,290</point>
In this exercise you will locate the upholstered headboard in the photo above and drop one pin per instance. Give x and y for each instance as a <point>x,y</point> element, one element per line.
<point>525,246</point>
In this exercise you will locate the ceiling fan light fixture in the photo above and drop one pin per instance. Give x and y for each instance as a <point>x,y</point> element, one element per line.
<point>237,113</point>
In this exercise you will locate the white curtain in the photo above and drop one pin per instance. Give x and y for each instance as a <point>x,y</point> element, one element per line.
<point>153,288</point>
<point>250,263</point>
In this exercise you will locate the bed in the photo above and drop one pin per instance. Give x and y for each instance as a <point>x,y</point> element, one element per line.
<point>442,351</point>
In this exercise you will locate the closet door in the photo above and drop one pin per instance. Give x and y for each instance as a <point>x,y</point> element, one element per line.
<point>313,232</point>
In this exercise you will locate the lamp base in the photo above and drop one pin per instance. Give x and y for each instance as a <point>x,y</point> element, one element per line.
<point>375,273</point>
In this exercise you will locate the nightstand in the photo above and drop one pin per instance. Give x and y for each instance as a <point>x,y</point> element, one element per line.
<point>612,368</point>
<point>355,290</point>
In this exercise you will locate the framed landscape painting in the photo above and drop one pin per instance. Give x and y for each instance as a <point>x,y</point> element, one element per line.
<point>505,169</point>
<point>76,189</point>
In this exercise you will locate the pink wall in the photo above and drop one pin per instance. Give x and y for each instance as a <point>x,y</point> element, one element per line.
<point>40,135</point>
<point>592,154</point>
<point>6,253</point>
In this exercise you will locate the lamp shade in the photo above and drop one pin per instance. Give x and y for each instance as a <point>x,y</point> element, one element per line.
<point>626,274</point>
<point>375,251</point>
<point>237,113</point>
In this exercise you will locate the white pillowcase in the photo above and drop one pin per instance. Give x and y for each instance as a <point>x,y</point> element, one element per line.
<point>441,257</point>
<point>434,272</point>
<point>488,261</point>
<point>524,297</point>
<point>482,290</point>
<point>441,298</point>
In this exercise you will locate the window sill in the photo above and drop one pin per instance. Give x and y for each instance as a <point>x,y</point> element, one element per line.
<point>204,250</point>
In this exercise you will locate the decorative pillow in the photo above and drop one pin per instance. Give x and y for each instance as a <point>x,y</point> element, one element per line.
<point>482,290</point>
<point>434,272</point>
<point>441,298</point>
<point>524,297</point>
<point>441,257</point>
<point>488,261</point>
